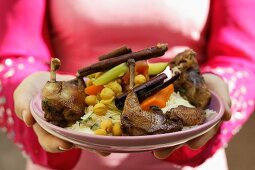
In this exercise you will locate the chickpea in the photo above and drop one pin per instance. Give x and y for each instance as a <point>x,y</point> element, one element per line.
<point>115,86</point>
<point>107,102</point>
<point>139,79</point>
<point>107,93</point>
<point>91,100</point>
<point>100,132</point>
<point>116,129</point>
<point>106,125</point>
<point>100,109</point>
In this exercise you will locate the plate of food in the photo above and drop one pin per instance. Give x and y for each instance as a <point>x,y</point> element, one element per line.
<point>123,103</point>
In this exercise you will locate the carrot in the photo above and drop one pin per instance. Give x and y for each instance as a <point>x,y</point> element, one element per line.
<point>125,78</point>
<point>93,89</point>
<point>141,67</point>
<point>158,99</point>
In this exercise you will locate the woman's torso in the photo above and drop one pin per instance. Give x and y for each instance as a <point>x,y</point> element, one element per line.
<point>83,29</point>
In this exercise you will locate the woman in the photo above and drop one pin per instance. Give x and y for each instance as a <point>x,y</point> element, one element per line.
<point>221,32</point>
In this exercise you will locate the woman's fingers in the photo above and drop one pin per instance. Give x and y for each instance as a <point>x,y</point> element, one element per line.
<point>22,100</point>
<point>27,118</point>
<point>105,154</point>
<point>227,104</point>
<point>193,144</point>
<point>223,93</point>
<point>203,139</point>
<point>216,84</point>
<point>101,153</point>
<point>24,93</point>
<point>49,142</point>
<point>53,144</point>
<point>165,152</point>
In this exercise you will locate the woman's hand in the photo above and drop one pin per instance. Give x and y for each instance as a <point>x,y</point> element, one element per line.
<point>23,94</point>
<point>217,85</point>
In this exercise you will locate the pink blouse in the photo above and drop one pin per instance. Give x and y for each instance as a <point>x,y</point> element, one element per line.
<point>221,32</point>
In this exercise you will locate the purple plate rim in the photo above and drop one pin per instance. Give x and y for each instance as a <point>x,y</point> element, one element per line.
<point>208,124</point>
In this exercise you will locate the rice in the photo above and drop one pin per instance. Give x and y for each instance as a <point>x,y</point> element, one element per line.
<point>176,100</point>
<point>91,121</point>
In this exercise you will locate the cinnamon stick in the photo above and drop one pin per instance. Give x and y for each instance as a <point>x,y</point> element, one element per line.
<point>117,52</point>
<point>159,87</point>
<point>139,90</point>
<point>106,64</point>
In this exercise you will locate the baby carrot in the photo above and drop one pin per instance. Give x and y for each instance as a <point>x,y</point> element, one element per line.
<point>141,67</point>
<point>93,89</point>
<point>158,99</point>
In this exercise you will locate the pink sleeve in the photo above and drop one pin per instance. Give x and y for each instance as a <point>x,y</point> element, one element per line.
<point>231,55</point>
<point>24,50</point>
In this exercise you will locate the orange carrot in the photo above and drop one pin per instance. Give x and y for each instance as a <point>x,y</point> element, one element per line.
<point>93,89</point>
<point>125,78</point>
<point>141,67</point>
<point>159,99</point>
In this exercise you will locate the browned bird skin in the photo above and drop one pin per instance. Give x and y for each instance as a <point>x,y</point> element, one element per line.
<point>136,121</point>
<point>63,101</point>
<point>191,83</point>
<point>189,116</point>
